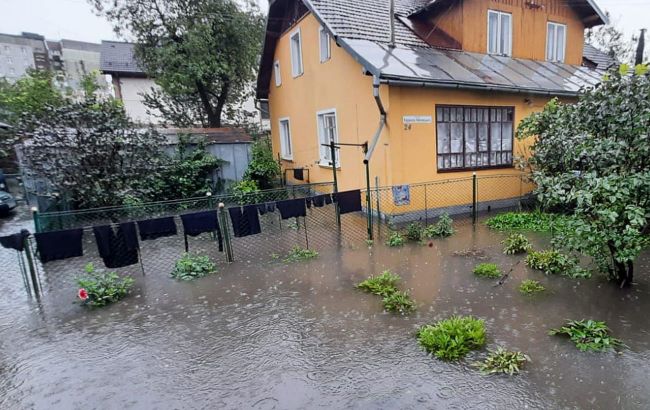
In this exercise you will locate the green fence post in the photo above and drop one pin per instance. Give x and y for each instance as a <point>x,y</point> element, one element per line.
<point>37,222</point>
<point>226,232</point>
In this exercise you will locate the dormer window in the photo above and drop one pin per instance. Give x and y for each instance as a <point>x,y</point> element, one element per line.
<point>555,42</point>
<point>499,33</point>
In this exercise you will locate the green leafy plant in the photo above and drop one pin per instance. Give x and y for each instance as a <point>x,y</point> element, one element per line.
<point>246,192</point>
<point>399,301</point>
<point>414,232</point>
<point>300,254</point>
<point>536,221</point>
<point>395,240</point>
<point>193,266</point>
<point>441,229</point>
<point>487,270</point>
<point>263,168</point>
<point>552,262</point>
<point>453,338</point>
<point>516,243</point>
<point>589,335</point>
<point>529,287</point>
<point>102,288</point>
<point>503,361</point>
<point>382,285</point>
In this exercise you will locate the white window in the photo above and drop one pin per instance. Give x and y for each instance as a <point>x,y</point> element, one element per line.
<point>296,54</point>
<point>555,42</point>
<point>327,133</point>
<point>499,33</point>
<point>325,45</point>
<point>285,139</point>
<point>277,73</point>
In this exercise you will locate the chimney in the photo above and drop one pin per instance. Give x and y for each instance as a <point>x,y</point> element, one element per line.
<point>391,22</point>
<point>640,48</point>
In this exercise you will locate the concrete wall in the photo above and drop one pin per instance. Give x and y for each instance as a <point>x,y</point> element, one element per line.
<point>78,63</point>
<point>130,92</point>
<point>15,60</point>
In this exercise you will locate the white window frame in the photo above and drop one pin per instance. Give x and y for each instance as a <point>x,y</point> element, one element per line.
<point>553,57</point>
<point>323,151</point>
<point>324,58</point>
<point>277,73</point>
<point>296,71</point>
<point>284,139</point>
<point>508,48</point>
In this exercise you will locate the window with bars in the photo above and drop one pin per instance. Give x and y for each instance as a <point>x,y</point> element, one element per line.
<point>474,137</point>
<point>327,132</point>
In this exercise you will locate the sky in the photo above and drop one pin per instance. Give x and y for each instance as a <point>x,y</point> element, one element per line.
<point>75,20</point>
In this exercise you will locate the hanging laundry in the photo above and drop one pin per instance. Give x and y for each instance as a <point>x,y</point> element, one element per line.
<point>15,241</point>
<point>117,248</point>
<point>349,201</point>
<point>201,222</point>
<point>58,245</point>
<point>292,208</point>
<point>157,228</point>
<point>321,200</point>
<point>266,207</point>
<point>245,222</point>
<point>308,202</point>
<point>298,174</point>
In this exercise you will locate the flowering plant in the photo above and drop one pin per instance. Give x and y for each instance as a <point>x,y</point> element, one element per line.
<point>102,288</point>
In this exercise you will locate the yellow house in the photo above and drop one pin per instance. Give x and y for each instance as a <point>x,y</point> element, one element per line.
<point>435,88</point>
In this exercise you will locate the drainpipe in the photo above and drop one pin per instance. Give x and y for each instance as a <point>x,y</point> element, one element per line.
<point>382,119</point>
<point>391,22</point>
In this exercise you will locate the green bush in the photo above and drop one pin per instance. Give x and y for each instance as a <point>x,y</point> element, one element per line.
<point>516,243</point>
<point>263,168</point>
<point>536,221</point>
<point>102,288</point>
<point>529,287</point>
<point>298,254</point>
<point>552,262</point>
<point>487,270</point>
<point>441,229</point>
<point>453,338</point>
<point>398,301</point>
<point>588,335</point>
<point>503,361</point>
<point>382,285</point>
<point>193,266</point>
<point>414,232</point>
<point>246,192</point>
<point>395,240</point>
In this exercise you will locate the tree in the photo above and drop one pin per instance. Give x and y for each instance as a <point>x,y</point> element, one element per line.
<point>202,53</point>
<point>611,39</point>
<point>593,158</point>
<point>263,168</point>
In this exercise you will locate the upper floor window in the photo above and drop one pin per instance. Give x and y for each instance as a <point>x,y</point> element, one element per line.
<point>474,137</point>
<point>499,33</point>
<point>296,54</point>
<point>327,133</point>
<point>285,139</point>
<point>277,74</point>
<point>555,42</point>
<point>325,45</point>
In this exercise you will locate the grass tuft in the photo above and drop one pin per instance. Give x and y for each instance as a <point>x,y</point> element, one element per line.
<point>589,335</point>
<point>453,338</point>
<point>399,302</point>
<point>487,270</point>
<point>530,287</point>
<point>382,285</point>
<point>298,254</point>
<point>503,361</point>
<point>516,243</point>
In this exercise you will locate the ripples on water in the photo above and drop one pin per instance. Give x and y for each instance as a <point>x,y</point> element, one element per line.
<point>300,336</point>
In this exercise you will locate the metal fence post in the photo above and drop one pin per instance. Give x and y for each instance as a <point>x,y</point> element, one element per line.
<point>474,198</point>
<point>37,222</point>
<point>226,232</point>
<point>426,206</point>
<point>32,268</point>
<point>378,210</point>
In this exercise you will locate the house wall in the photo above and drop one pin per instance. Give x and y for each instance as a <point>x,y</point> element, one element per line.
<point>467,23</point>
<point>338,83</point>
<point>129,90</point>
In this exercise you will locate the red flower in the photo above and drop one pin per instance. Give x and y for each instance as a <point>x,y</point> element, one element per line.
<point>430,244</point>
<point>83,294</point>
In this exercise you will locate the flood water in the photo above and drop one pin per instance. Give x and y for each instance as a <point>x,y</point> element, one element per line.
<point>296,336</point>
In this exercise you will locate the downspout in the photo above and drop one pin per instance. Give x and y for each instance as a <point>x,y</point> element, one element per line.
<point>382,119</point>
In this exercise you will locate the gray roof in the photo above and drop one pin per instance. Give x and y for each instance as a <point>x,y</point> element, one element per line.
<point>81,45</point>
<point>118,58</point>
<point>599,58</point>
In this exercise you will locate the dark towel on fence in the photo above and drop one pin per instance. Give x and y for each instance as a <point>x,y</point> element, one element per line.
<point>157,228</point>
<point>298,174</point>
<point>292,208</point>
<point>246,222</point>
<point>266,207</point>
<point>308,203</point>
<point>201,222</point>
<point>349,201</point>
<point>321,200</point>
<point>15,241</point>
<point>117,248</point>
<point>58,245</point>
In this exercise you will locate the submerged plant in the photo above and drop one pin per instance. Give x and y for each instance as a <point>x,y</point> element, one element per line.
<point>503,361</point>
<point>300,254</point>
<point>529,287</point>
<point>441,229</point>
<point>453,338</point>
<point>399,301</point>
<point>487,270</point>
<point>102,288</point>
<point>552,262</point>
<point>382,285</point>
<point>414,232</point>
<point>588,335</point>
<point>395,240</point>
<point>192,266</point>
<point>536,221</point>
<point>516,243</point>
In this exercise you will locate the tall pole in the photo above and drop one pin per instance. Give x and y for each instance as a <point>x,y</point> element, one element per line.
<point>336,184</point>
<point>368,200</point>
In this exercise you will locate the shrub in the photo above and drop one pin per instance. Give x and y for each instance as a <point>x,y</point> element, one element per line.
<point>552,262</point>
<point>193,266</point>
<point>487,270</point>
<point>395,240</point>
<point>516,243</point>
<point>503,361</point>
<point>453,338</point>
<point>529,287</point>
<point>441,229</point>
<point>398,301</point>
<point>263,168</point>
<point>536,221</point>
<point>298,254</point>
<point>246,192</point>
<point>102,288</point>
<point>414,232</point>
<point>382,285</point>
<point>588,335</point>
